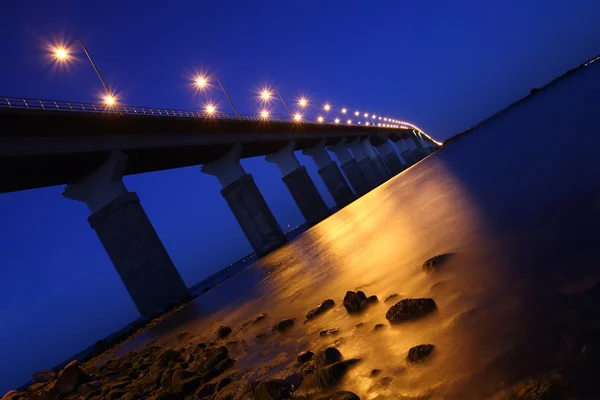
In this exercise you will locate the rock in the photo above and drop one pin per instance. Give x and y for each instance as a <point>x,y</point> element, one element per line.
<point>379,327</point>
<point>375,372</point>
<point>360,325</point>
<point>420,352</point>
<point>352,301</point>
<point>329,332</point>
<point>343,395</point>
<point>10,395</point>
<point>391,297</point>
<point>188,385</point>
<point>328,356</point>
<point>295,380</point>
<point>409,309</point>
<point>116,394</point>
<point>223,332</point>
<point>368,301</point>
<point>305,356</point>
<point>327,377</point>
<point>43,376</point>
<point>223,382</point>
<point>71,377</point>
<point>274,389</point>
<point>434,263</point>
<point>283,325</point>
<point>259,318</point>
<point>89,388</point>
<point>178,377</point>
<point>320,309</point>
<point>261,336</point>
<point>165,358</point>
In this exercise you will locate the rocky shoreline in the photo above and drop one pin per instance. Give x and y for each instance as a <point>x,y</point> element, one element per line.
<point>207,367</point>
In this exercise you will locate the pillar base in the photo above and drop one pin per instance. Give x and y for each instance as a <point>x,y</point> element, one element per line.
<point>306,196</point>
<point>393,163</point>
<point>409,157</point>
<point>138,255</point>
<point>356,177</point>
<point>253,214</point>
<point>384,173</point>
<point>371,172</point>
<point>337,185</point>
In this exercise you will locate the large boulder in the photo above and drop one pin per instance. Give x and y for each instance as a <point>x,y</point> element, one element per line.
<point>70,378</point>
<point>355,302</point>
<point>320,309</point>
<point>43,376</point>
<point>326,378</point>
<point>419,353</point>
<point>410,309</point>
<point>223,332</point>
<point>434,263</point>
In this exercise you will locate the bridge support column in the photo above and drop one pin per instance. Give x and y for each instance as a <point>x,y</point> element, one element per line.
<point>350,167</point>
<point>407,154</point>
<point>128,237</point>
<point>367,146</point>
<point>420,149</point>
<point>331,175</point>
<point>300,185</point>
<point>246,202</point>
<point>366,165</point>
<point>390,158</point>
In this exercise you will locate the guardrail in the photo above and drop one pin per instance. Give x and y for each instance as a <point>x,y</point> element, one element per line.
<point>61,105</point>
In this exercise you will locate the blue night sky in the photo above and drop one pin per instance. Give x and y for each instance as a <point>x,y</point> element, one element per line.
<point>441,65</point>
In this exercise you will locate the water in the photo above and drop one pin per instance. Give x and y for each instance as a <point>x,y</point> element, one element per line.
<point>518,201</point>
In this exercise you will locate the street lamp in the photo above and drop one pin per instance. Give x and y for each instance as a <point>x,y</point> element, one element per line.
<point>202,82</point>
<point>62,54</point>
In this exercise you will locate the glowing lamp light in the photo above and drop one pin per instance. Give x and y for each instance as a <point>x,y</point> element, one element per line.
<point>265,95</point>
<point>210,109</point>
<point>380,118</point>
<point>60,53</point>
<point>366,115</point>
<point>344,111</point>
<point>366,123</point>
<point>349,122</point>
<point>320,119</point>
<point>357,113</point>
<point>303,102</point>
<point>297,117</point>
<point>264,114</point>
<point>374,116</point>
<point>359,122</point>
<point>337,121</point>
<point>200,82</point>
<point>327,107</point>
<point>378,124</point>
<point>110,100</point>
<point>385,119</point>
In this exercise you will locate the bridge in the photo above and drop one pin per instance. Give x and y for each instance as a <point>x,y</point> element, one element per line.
<point>91,146</point>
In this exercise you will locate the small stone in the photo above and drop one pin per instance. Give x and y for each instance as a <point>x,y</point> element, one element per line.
<point>328,356</point>
<point>375,372</point>
<point>434,263</point>
<point>409,309</point>
<point>360,325</point>
<point>189,385</point>
<point>342,395</point>
<point>326,377</point>
<point>329,332</point>
<point>116,394</point>
<point>283,325</point>
<point>420,352</point>
<point>261,336</point>
<point>379,327</point>
<point>305,356</point>
<point>223,332</point>
<point>259,318</point>
<point>391,297</point>
<point>178,377</point>
<point>320,309</point>
<point>274,389</point>
<point>71,377</point>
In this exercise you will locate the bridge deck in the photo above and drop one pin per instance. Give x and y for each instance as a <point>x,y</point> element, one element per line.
<point>41,148</point>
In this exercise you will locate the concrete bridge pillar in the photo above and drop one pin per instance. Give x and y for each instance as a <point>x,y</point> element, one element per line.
<point>367,146</point>
<point>405,151</point>
<point>350,167</point>
<point>246,202</point>
<point>367,166</point>
<point>420,149</point>
<point>128,237</point>
<point>390,158</point>
<point>331,174</point>
<point>300,185</point>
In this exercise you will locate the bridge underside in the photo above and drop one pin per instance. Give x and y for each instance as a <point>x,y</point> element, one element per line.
<point>47,148</point>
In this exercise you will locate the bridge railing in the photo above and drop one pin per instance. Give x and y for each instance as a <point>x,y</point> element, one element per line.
<point>79,106</point>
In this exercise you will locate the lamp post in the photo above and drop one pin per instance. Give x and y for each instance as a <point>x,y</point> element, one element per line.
<point>202,81</point>
<point>62,54</point>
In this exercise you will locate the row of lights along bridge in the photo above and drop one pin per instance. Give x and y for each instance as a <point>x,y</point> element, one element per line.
<point>61,54</point>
